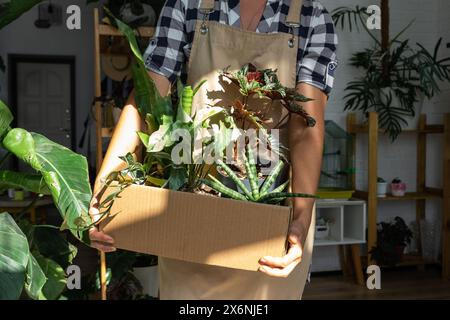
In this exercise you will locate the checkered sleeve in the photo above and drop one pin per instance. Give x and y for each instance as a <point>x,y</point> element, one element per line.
<point>319,61</point>
<point>165,53</point>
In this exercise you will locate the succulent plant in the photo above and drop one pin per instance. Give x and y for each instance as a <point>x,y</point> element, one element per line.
<point>260,194</point>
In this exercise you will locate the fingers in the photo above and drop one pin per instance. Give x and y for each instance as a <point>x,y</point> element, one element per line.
<point>283,266</point>
<point>101,241</point>
<point>102,246</point>
<point>294,254</point>
<point>96,235</point>
<point>277,272</point>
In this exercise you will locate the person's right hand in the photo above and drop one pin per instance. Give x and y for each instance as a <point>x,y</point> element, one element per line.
<point>99,239</point>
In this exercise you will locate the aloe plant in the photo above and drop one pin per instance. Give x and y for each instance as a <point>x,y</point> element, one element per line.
<point>260,194</point>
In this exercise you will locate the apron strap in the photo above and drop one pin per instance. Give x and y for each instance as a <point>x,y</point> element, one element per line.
<point>206,5</point>
<point>294,16</point>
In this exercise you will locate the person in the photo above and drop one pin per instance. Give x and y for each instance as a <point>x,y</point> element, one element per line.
<point>193,40</point>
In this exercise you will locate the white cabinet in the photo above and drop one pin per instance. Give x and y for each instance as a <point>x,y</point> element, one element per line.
<point>347,221</point>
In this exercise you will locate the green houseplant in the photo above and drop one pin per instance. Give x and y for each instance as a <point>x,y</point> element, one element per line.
<point>396,74</point>
<point>162,118</point>
<point>392,238</point>
<point>60,173</point>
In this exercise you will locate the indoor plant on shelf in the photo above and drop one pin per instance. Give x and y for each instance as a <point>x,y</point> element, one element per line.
<point>392,239</point>
<point>396,74</point>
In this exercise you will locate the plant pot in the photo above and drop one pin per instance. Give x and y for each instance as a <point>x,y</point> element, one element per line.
<point>398,189</point>
<point>322,232</point>
<point>381,189</point>
<point>149,279</point>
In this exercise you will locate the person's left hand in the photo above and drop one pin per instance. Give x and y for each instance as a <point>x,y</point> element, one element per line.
<point>283,266</point>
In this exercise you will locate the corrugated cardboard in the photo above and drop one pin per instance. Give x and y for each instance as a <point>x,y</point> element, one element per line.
<point>197,228</point>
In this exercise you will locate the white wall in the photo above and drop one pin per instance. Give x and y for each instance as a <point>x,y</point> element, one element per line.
<point>398,158</point>
<point>22,37</point>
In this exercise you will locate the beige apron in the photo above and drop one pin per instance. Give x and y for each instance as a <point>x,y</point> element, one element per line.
<point>215,47</point>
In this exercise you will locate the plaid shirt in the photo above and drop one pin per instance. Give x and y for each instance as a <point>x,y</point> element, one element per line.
<point>169,50</point>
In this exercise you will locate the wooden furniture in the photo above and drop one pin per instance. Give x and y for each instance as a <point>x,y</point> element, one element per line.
<point>104,36</point>
<point>423,192</point>
<point>347,231</point>
<point>19,206</point>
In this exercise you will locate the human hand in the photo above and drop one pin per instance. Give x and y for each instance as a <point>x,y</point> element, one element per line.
<point>99,239</point>
<point>282,267</point>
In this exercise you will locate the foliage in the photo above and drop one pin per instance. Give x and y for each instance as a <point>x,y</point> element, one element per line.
<point>32,257</point>
<point>393,79</point>
<point>392,237</point>
<point>13,9</point>
<point>263,83</point>
<point>257,193</point>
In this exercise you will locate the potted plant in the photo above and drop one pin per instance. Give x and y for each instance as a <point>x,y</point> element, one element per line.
<point>392,238</point>
<point>381,187</point>
<point>322,228</point>
<point>396,75</point>
<point>398,187</point>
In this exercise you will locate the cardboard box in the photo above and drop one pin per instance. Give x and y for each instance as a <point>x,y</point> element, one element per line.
<point>197,228</point>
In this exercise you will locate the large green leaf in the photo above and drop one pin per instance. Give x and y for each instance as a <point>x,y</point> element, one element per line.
<point>51,244</point>
<point>66,174</point>
<point>13,9</point>
<point>27,181</point>
<point>56,278</point>
<point>5,118</point>
<point>35,278</point>
<point>14,255</point>
<point>147,95</point>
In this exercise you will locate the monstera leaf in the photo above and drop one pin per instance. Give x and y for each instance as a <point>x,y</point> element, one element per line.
<point>13,9</point>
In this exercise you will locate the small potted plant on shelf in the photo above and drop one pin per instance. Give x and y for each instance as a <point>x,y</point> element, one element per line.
<point>392,239</point>
<point>398,187</point>
<point>381,187</point>
<point>322,228</point>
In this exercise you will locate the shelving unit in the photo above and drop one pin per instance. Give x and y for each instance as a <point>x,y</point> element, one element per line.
<point>104,35</point>
<point>423,192</point>
<point>347,230</point>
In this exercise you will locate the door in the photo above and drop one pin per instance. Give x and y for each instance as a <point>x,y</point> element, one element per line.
<point>44,100</point>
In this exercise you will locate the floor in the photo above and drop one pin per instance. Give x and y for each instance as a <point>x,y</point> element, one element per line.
<point>402,283</point>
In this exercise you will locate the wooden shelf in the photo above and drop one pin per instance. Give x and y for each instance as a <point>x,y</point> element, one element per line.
<point>108,30</point>
<point>429,129</point>
<point>423,192</point>
<point>408,196</point>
